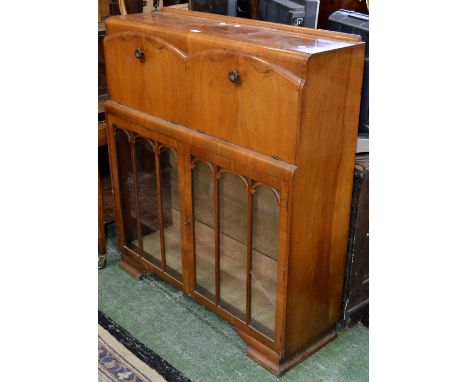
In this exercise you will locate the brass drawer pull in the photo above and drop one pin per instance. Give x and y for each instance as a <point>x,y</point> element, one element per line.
<point>233,76</point>
<point>139,53</point>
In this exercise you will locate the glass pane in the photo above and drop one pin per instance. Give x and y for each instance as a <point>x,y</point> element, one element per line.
<point>265,232</point>
<point>171,211</point>
<point>233,212</point>
<point>203,212</point>
<point>127,189</point>
<point>148,199</point>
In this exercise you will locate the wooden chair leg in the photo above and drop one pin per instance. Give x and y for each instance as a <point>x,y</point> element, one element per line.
<point>102,230</point>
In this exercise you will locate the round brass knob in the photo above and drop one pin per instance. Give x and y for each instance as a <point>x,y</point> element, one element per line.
<point>139,53</point>
<point>234,76</point>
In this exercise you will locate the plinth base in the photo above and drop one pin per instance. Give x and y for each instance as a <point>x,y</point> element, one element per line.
<point>133,268</point>
<point>272,361</point>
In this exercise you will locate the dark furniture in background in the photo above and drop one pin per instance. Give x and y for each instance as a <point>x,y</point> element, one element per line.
<point>220,7</point>
<point>356,288</point>
<point>102,82</point>
<point>105,198</point>
<point>106,201</point>
<point>250,8</point>
<point>102,142</point>
<point>303,13</point>
<point>132,6</point>
<point>236,8</point>
<point>115,7</point>
<point>327,7</point>
<point>356,23</point>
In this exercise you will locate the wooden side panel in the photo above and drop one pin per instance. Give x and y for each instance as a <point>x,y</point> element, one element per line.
<point>322,195</point>
<point>154,83</point>
<point>259,110</point>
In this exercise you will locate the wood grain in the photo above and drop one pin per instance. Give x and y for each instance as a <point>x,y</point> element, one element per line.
<point>287,123</point>
<point>155,83</point>
<point>322,195</point>
<point>254,110</point>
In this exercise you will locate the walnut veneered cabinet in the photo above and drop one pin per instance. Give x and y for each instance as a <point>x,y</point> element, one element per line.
<point>232,147</point>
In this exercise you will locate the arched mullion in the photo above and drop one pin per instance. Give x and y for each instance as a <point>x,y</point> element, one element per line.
<point>248,303</point>
<point>157,152</point>
<point>123,182</point>
<point>217,233</point>
<point>195,162</point>
<point>241,177</point>
<point>274,190</point>
<point>266,326</point>
<point>137,137</point>
<point>172,149</point>
<point>128,133</point>
<point>248,186</point>
<point>215,170</point>
<point>131,139</point>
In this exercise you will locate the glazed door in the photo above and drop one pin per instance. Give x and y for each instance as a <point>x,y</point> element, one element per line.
<point>201,222</point>
<point>236,225</point>
<point>146,183</point>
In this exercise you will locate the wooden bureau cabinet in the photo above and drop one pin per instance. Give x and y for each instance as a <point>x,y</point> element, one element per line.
<point>232,148</point>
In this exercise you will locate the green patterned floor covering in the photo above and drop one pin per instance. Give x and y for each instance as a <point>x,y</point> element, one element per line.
<point>203,346</point>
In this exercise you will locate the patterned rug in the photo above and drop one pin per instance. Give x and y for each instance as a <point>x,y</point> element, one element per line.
<point>122,358</point>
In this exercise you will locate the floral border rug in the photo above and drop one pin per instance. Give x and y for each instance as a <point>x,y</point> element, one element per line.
<point>122,358</point>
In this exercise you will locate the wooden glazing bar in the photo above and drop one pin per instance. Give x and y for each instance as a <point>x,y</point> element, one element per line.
<point>160,208</point>
<point>137,198</point>
<point>190,201</point>
<point>101,227</point>
<point>249,252</point>
<point>115,183</point>
<point>186,221</point>
<point>216,224</point>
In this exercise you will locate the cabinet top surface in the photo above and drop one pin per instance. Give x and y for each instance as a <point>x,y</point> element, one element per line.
<point>307,41</point>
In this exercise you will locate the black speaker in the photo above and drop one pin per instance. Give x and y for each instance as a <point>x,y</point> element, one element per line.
<point>303,13</point>
<point>221,7</point>
<point>356,23</point>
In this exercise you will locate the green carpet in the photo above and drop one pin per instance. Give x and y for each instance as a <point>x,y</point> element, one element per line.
<point>203,346</point>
